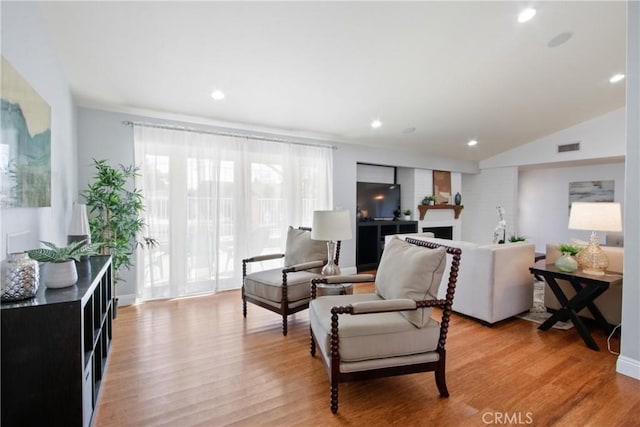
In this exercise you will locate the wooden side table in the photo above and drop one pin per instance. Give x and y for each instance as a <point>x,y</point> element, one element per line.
<point>324,289</point>
<point>588,287</point>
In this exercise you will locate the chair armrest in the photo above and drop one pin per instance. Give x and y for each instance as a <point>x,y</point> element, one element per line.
<point>263,258</point>
<point>336,280</point>
<point>383,306</point>
<point>353,278</point>
<point>304,266</point>
<point>389,305</point>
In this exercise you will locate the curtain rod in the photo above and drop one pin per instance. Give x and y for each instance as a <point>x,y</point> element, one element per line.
<point>221,133</point>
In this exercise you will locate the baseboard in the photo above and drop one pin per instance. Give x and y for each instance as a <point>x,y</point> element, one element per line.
<point>126,300</point>
<point>348,270</point>
<point>629,367</point>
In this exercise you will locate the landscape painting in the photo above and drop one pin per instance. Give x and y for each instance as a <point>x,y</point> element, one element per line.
<point>25,143</point>
<point>591,191</point>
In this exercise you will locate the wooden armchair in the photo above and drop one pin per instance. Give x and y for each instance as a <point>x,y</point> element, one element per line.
<point>286,290</point>
<point>391,332</point>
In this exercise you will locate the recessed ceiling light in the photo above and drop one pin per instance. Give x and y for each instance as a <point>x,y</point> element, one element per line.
<point>376,124</point>
<point>526,15</point>
<point>217,95</point>
<point>472,142</point>
<point>616,78</point>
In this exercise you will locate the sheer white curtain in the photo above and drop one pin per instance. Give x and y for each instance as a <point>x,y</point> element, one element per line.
<point>213,200</point>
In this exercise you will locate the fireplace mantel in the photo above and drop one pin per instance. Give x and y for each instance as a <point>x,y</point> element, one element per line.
<point>424,208</point>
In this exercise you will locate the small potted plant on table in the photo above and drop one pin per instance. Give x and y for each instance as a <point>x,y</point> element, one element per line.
<point>60,268</point>
<point>567,262</point>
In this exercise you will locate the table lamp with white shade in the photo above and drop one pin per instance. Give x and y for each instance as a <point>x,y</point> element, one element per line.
<point>79,226</point>
<point>594,217</point>
<point>331,226</point>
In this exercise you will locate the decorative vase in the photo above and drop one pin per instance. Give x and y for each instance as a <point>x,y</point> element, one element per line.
<point>457,199</point>
<point>20,277</point>
<point>60,274</point>
<point>566,263</point>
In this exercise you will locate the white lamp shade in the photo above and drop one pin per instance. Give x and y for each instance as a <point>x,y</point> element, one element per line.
<point>595,216</point>
<point>331,225</point>
<point>79,221</point>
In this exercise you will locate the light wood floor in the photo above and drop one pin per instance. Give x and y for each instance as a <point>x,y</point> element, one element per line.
<point>196,361</point>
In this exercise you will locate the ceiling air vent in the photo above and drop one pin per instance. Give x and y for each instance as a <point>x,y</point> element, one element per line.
<point>569,147</point>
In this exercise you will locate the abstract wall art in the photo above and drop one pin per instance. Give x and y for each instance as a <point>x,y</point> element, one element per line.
<point>25,143</point>
<point>591,191</point>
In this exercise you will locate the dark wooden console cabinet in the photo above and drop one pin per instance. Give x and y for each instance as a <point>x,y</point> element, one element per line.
<point>54,350</point>
<point>370,237</point>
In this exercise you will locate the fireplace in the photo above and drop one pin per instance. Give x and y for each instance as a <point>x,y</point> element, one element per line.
<point>440,232</point>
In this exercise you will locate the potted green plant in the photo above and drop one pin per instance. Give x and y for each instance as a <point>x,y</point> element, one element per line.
<point>60,268</point>
<point>407,214</point>
<point>429,200</point>
<point>569,249</point>
<point>514,238</point>
<point>567,261</point>
<point>115,206</point>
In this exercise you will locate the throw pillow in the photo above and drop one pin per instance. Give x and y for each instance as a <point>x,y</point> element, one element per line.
<point>410,271</point>
<point>301,248</point>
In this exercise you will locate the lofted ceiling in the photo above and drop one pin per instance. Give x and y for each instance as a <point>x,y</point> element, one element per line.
<point>452,71</point>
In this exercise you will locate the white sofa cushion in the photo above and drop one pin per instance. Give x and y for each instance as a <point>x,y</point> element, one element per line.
<point>413,272</point>
<point>370,336</point>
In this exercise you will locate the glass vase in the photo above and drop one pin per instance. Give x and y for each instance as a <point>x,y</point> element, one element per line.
<point>566,263</point>
<point>20,277</point>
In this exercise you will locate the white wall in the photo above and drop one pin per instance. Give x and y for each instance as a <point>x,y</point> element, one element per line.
<point>602,144</point>
<point>629,359</point>
<point>482,194</point>
<point>25,45</point>
<point>407,181</point>
<point>544,200</point>
<point>600,138</point>
<point>374,173</point>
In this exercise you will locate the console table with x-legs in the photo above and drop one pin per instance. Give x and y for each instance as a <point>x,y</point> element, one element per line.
<point>588,287</point>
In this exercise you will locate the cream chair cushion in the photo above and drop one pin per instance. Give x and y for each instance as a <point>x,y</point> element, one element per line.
<point>370,336</point>
<point>301,248</point>
<point>410,271</point>
<point>267,285</point>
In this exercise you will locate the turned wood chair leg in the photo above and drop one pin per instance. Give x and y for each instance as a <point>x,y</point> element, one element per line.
<point>334,398</point>
<point>440,378</point>
<point>442,384</point>
<point>313,344</point>
<point>284,325</point>
<point>244,307</point>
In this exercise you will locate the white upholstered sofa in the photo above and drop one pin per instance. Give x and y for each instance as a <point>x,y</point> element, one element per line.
<point>609,303</point>
<point>494,282</point>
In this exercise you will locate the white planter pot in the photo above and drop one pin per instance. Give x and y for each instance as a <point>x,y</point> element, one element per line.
<point>60,274</point>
